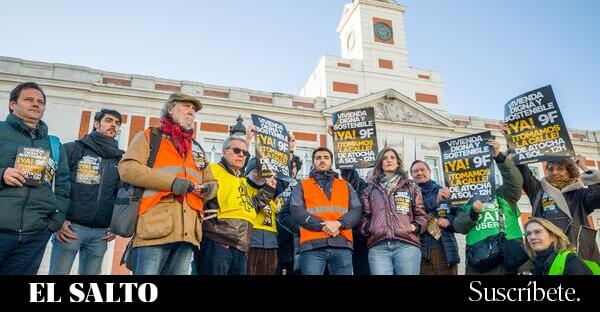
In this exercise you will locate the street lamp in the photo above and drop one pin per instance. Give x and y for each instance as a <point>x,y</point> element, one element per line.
<point>238,129</point>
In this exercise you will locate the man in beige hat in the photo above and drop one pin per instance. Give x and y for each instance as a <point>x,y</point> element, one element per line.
<point>177,186</point>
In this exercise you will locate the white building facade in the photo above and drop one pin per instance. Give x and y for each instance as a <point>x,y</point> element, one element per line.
<point>372,71</point>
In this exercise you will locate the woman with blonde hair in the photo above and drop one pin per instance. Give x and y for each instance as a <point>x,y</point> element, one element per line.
<point>550,250</point>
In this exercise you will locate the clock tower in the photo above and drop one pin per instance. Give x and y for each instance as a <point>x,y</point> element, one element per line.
<point>374,58</point>
<point>373,29</point>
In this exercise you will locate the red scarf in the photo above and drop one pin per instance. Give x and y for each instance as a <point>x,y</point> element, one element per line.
<point>181,138</point>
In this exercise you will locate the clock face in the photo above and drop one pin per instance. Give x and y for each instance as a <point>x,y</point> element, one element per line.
<point>383,31</point>
<point>351,41</point>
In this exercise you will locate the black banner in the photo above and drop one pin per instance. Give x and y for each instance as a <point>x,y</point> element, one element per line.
<point>355,138</point>
<point>535,129</point>
<point>469,168</point>
<point>272,147</point>
<point>115,292</point>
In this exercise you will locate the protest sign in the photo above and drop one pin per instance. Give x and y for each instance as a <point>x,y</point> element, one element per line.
<point>469,168</point>
<point>272,147</point>
<point>535,129</point>
<point>33,163</point>
<point>355,138</point>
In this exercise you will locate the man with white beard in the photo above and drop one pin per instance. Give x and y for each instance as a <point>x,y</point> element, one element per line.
<point>176,188</point>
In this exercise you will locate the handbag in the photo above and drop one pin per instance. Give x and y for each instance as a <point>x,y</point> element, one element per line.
<point>487,253</point>
<point>125,211</point>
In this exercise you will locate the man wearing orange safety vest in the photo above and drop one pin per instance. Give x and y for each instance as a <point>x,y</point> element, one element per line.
<point>180,181</point>
<point>326,208</point>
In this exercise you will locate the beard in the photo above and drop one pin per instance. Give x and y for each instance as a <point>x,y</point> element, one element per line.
<point>185,122</point>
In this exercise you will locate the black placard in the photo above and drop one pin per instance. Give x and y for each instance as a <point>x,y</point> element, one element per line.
<point>535,129</point>
<point>272,147</point>
<point>469,168</point>
<point>355,138</point>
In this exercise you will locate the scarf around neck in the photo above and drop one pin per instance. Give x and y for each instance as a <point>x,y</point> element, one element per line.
<point>105,146</point>
<point>561,183</point>
<point>182,139</point>
<point>389,182</point>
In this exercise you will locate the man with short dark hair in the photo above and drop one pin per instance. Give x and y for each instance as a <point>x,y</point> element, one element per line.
<point>93,162</point>
<point>326,208</point>
<point>35,198</point>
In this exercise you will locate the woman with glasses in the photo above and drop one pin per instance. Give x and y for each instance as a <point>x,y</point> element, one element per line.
<point>549,248</point>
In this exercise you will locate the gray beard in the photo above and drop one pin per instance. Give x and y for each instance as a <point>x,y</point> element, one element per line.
<point>181,122</point>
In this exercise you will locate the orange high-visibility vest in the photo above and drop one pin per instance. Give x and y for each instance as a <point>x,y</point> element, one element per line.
<point>319,205</point>
<point>168,160</point>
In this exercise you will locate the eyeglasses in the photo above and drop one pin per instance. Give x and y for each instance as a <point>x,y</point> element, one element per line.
<point>537,232</point>
<point>238,151</point>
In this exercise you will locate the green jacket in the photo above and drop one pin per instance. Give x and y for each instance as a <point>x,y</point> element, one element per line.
<point>479,226</point>
<point>469,222</point>
<point>29,209</point>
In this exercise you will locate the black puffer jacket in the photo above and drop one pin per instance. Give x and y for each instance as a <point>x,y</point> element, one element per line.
<point>92,200</point>
<point>429,191</point>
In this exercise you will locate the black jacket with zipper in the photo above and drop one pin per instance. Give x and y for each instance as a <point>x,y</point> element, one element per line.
<point>92,204</point>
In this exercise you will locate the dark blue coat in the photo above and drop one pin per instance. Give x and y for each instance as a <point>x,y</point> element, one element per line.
<point>429,190</point>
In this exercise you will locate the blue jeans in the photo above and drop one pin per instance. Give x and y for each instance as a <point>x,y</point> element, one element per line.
<point>338,261</point>
<point>90,246</point>
<point>216,259</point>
<point>21,254</point>
<point>166,259</point>
<point>394,257</point>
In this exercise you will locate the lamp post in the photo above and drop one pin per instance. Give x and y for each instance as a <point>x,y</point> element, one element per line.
<point>238,129</point>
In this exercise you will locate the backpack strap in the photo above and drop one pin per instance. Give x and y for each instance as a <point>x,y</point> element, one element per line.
<point>55,148</point>
<point>155,139</point>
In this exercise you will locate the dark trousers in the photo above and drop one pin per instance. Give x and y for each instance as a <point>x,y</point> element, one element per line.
<point>262,261</point>
<point>360,255</point>
<point>437,265</point>
<point>217,259</point>
<point>21,254</point>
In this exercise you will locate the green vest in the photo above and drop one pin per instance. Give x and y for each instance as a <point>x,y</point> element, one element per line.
<point>558,265</point>
<point>488,224</point>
